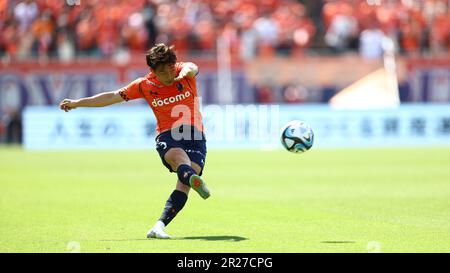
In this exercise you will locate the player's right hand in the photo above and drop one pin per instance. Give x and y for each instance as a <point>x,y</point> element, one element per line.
<point>68,105</point>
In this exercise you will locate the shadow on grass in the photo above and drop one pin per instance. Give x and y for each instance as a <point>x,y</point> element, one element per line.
<point>338,242</point>
<point>214,238</point>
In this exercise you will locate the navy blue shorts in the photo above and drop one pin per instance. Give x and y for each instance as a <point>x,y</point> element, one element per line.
<point>188,138</point>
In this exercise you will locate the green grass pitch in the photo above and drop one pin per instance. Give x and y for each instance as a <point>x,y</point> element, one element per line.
<point>347,200</point>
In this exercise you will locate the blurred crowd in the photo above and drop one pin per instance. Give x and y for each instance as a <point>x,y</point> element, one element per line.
<point>107,28</point>
<point>415,26</point>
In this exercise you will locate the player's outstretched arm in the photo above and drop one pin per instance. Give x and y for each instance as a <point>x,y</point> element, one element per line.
<point>99,100</point>
<point>189,70</point>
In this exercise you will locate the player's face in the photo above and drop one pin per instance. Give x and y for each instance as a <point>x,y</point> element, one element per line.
<point>165,73</point>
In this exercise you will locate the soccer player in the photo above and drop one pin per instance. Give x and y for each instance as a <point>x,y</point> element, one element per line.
<point>170,90</point>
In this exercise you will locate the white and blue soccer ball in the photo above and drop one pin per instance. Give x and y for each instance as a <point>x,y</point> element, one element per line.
<point>297,136</point>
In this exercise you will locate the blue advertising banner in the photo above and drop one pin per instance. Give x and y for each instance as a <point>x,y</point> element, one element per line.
<point>240,126</point>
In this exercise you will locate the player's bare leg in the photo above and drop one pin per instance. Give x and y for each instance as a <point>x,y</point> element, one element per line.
<point>177,157</point>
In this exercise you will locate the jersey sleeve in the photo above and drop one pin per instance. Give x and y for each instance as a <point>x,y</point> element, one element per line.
<point>131,91</point>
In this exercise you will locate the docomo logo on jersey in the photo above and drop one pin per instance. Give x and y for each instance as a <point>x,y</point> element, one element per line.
<point>169,100</point>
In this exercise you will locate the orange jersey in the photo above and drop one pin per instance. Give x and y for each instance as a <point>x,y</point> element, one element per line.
<point>172,105</point>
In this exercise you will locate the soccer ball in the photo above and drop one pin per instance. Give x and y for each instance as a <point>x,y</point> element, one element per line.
<point>297,136</point>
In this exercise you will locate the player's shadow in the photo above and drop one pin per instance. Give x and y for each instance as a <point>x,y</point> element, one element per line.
<point>215,238</point>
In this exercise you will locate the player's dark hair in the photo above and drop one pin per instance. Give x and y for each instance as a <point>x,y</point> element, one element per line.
<point>160,54</point>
